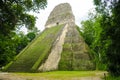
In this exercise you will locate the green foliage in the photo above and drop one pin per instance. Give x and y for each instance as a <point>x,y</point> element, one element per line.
<point>112,78</point>
<point>21,41</point>
<point>92,31</point>
<point>9,48</point>
<point>36,52</point>
<point>31,36</point>
<point>111,32</point>
<point>88,31</point>
<point>14,14</point>
<point>32,33</point>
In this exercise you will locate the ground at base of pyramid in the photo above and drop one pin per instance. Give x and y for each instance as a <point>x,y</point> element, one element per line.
<point>55,75</point>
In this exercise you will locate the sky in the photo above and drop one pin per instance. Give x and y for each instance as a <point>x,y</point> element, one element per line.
<point>80,10</point>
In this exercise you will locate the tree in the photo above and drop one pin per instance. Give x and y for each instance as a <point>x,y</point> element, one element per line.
<point>31,36</point>
<point>91,31</point>
<point>14,14</point>
<point>21,41</point>
<point>33,33</point>
<point>110,9</point>
<point>7,49</point>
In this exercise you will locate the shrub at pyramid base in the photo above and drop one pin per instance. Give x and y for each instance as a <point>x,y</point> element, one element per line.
<point>58,47</point>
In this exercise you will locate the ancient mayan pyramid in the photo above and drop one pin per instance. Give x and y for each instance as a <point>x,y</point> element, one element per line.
<point>59,47</point>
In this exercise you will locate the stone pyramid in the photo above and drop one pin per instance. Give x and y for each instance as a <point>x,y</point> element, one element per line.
<point>59,47</point>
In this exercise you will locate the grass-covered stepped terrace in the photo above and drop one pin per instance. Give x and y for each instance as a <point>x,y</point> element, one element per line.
<point>36,52</point>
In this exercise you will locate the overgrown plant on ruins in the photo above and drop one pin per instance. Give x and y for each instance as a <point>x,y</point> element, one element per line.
<point>35,53</point>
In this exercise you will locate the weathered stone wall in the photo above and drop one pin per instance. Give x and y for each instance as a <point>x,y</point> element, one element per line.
<point>61,14</point>
<point>75,54</point>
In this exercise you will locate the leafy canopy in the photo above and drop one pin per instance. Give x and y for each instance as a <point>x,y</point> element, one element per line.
<point>14,15</point>
<point>110,11</point>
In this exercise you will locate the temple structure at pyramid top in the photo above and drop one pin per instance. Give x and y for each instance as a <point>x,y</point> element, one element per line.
<point>61,14</point>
